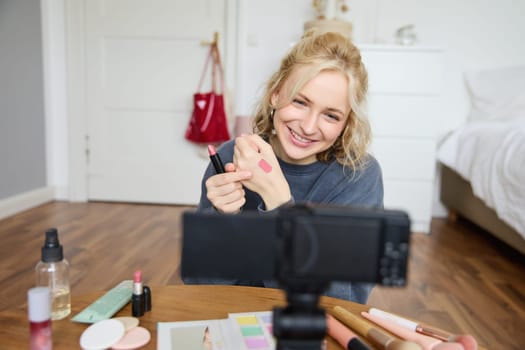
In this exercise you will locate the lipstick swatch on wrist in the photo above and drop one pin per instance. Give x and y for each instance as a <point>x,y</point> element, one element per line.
<point>265,166</point>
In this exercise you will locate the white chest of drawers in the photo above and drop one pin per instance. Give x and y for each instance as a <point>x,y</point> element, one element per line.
<point>405,86</point>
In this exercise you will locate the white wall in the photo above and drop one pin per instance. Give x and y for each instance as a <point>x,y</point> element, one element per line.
<point>54,64</point>
<point>267,28</point>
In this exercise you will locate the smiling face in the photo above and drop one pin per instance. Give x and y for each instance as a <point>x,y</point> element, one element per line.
<point>314,118</point>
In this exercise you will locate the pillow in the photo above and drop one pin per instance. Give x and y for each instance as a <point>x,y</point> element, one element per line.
<point>497,94</point>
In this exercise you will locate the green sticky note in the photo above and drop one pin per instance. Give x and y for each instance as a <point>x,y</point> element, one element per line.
<point>249,331</point>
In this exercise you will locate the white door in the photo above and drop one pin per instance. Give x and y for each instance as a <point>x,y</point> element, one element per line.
<point>143,63</point>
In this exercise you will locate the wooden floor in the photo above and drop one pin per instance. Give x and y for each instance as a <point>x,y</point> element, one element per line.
<point>460,278</point>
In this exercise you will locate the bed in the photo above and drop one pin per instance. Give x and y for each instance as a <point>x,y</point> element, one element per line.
<point>483,161</point>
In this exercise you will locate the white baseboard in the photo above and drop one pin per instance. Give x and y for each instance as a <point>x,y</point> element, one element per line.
<point>20,202</point>
<point>61,193</point>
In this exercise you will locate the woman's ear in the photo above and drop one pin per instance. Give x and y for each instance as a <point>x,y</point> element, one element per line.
<point>274,99</point>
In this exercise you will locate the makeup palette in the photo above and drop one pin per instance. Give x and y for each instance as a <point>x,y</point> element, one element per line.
<point>240,331</point>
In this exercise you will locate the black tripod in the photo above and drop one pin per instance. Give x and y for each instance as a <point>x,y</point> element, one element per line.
<point>301,325</point>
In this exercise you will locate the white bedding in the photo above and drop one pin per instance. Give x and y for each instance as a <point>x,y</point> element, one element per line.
<point>491,156</point>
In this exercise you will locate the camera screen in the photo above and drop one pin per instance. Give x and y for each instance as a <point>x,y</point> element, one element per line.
<point>331,248</point>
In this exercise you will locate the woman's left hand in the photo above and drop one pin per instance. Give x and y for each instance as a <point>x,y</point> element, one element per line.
<point>253,154</point>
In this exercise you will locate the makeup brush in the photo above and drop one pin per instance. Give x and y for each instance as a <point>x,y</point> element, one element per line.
<point>343,335</point>
<point>468,341</point>
<point>381,339</point>
<point>426,342</point>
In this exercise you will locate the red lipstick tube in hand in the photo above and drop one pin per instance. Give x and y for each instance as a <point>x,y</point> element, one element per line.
<point>216,160</point>
<point>137,297</point>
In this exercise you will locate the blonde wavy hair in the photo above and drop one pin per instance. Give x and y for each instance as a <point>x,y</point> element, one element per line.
<point>314,53</point>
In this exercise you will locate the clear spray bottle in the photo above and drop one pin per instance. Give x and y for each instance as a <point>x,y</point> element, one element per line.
<point>53,272</point>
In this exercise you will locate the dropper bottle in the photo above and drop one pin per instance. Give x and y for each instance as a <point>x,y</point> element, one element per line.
<point>53,272</point>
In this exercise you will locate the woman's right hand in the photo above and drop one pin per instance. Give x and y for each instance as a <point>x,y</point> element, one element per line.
<point>225,191</point>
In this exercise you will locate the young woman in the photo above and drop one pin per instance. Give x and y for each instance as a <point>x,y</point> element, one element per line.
<point>309,144</point>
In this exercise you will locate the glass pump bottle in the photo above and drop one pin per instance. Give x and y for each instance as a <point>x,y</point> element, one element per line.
<point>53,272</point>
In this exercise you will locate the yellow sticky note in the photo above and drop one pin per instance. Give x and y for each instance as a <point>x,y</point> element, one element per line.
<point>244,320</point>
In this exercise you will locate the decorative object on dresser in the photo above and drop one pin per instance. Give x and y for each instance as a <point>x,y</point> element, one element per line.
<point>328,17</point>
<point>406,35</point>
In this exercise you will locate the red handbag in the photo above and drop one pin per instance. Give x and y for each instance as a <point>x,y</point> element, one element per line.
<point>208,123</point>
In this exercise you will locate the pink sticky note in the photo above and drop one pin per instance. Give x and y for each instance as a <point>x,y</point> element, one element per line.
<point>255,342</point>
<point>265,166</point>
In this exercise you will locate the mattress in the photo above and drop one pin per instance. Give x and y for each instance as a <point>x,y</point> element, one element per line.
<point>490,155</point>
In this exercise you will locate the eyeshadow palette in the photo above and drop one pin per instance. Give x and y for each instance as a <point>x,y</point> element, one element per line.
<point>254,330</point>
<point>240,331</point>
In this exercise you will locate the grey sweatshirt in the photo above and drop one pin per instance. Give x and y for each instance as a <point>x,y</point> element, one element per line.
<point>319,183</point>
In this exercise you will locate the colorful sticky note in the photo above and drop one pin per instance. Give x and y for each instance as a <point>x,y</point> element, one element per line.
<point>256,342</point>
<point>246,320</point>
<point>250,330</point>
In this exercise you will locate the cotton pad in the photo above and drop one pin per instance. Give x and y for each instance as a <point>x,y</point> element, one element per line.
<point>102,335</point>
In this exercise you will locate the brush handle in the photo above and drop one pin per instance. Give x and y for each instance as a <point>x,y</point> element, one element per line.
<point>395,318</point>
<point>380,339</point>
<point>343,335</point>
<point>410,325</point>
<point>356,344</point>
<point>426,342</point>
<point>351,320</point>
